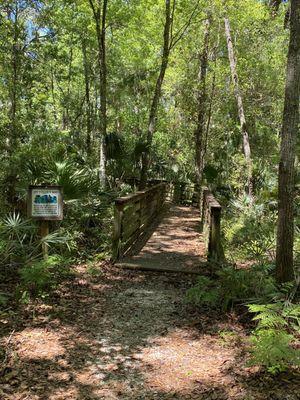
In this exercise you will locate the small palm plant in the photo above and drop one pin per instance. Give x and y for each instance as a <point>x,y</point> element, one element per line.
<point>20,242</point>
<point>17,239</point>
<point>76,182</point>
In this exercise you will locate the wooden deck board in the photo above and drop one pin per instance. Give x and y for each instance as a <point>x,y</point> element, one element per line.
<point>175,246</point>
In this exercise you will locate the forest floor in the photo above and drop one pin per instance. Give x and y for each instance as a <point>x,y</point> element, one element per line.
<point>108,333</point>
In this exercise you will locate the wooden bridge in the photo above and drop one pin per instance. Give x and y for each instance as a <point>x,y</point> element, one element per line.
<point>152,232</point>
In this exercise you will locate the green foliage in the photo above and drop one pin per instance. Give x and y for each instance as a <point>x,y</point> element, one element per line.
<point>204,293</point>
<point>3,299</point>
<point>20,242</point>
<point>88,224</point>
<point>39,277</point>
<point>233,286</point>
<point>94,269</point>
<point>249,231</point>
<point>76,182</point>
<point>277,315</point>
<point>17,239</point>
<point>273,339</point>
<point>272,349</point>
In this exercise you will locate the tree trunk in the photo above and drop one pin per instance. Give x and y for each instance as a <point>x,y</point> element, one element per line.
<point>156,95</point>
<point>289,133</point>
<point>100,21</point>
<point>209,115</point>
<point>87,98</point>
<point>202,107</point>
<point>103,98</point>
<point>241,112</point>
<point>67,119</point>
<point>12,141</point>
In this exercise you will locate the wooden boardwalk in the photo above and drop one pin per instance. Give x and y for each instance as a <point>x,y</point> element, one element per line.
<point>176,245</point>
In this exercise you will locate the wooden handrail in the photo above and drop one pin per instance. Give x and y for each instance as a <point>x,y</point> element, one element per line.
<point>179,192</point>
<point>211,222</point>
<point>133,214</point>
<point>134,196</point>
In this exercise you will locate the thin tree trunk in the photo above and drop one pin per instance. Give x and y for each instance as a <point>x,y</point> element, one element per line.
<point>211,100</point>
<point>202,107</point>
<point>289,134</point>
<point>67,119</point>
<point>100,21</point>
<point>15,67</point>
<point>157,95</point>
<point>209,115</point>
<point>87,98</point>
<point>12,141</point>
<point>103,98</point>
<point>241,112</point>
<point>54,113</point>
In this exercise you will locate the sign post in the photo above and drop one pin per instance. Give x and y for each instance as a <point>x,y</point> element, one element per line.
<point>45,203</point>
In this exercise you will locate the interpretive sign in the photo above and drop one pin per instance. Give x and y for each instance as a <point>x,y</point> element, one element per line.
<point>45,203</point>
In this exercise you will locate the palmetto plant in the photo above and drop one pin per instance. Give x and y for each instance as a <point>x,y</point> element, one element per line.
<point>76,182</point>
<point>20,242</point>
<point>17,239</point>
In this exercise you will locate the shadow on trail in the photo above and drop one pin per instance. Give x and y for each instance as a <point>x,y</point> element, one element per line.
<point>124,335</point>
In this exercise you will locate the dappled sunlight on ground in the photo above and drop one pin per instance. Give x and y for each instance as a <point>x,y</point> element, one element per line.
<point>116,334</point>
<point>178,362</point>
<point>38,344</point>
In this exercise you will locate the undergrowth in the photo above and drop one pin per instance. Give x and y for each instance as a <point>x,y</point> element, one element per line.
<point>274,341</point>
<point>232,286</point>
<point>38,278</point>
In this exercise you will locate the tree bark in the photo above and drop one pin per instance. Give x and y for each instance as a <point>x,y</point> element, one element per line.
<point>12,140</point>
<point>289,134</point>
<point>202,107</point>
<point>157,95</point>
<point>209,116</point>
<point>87,98</point>
<point>241,112</point>
<point>100,21</point>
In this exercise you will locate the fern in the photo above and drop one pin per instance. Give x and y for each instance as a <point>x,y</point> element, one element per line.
<point>233,286</point>
<point>268,315</point>
<point>272,349</point>
<point>203,293</point>
<point>278,324</point>
<point>277,315</point>
<point>40,276</point>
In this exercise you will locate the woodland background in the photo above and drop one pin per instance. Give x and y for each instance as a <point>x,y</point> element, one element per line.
<point>60,59</point>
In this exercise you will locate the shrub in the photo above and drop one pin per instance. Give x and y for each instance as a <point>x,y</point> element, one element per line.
<point>249,232</point>
<point>272,340</point>
<point>16,239</point>
<point>233,286</point>
<point>20,243</point>
<point>40,276</point>
<point>3,299</point>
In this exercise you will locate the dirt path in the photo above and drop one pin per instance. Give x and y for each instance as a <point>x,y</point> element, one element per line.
<point>114,334</point>
<point>111,334</point>
<point>176,244</point>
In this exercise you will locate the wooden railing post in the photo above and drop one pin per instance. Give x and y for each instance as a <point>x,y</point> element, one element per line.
<point>215,250</point>
<point>211,218</point>
<point>117,234</point>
